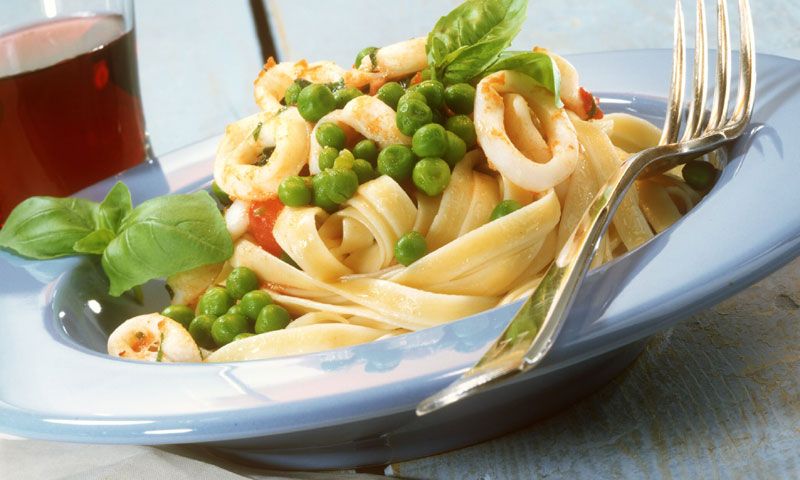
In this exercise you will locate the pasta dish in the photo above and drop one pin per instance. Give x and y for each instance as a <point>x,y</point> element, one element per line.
<point>410,190</point>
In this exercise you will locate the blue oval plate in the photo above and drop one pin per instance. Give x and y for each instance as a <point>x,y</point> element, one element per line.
<point>355,406</point>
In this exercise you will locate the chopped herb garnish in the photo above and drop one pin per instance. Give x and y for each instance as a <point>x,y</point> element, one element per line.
<point>160,354</point>
<point>257,131</point>
<point>373,58</point>
<point>335,86</point>
<point>263,157</point>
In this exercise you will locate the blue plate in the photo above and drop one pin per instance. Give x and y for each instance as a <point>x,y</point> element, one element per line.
<point>355,406</point>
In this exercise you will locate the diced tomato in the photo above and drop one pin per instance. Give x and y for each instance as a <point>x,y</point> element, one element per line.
<point>590,105</point>
<point>262,220</point>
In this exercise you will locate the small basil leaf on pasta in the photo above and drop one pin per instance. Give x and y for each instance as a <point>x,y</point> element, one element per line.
<point>163,236</point>
<point>114,207</point>
<point>48,227</point>
<point>467,40</point>
<point>95,242</point>
<point>539,66</point>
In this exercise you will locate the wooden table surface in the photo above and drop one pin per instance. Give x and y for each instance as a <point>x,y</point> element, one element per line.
<point>718,396</point>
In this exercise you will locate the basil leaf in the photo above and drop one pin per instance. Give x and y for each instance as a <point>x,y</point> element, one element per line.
<point>537,65</point>
<point>95,242</point>
<point>467,40</point>
<point>163,236</point>
<point>48,227</point>
<point>114,207</point>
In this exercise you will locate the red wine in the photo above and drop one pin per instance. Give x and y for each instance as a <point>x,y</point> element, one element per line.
<point>70,107</point>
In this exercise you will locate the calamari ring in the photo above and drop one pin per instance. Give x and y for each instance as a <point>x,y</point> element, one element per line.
<point>275,78</point>
<point>500,150</point>
<point>368,116</point>
<point>245,140</point>
<point>397,60</point>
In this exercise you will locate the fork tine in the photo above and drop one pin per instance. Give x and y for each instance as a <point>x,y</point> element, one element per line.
<point>672,124</point>
<point>747,69</point>
<point>722,92</point>
<point>697,109</point>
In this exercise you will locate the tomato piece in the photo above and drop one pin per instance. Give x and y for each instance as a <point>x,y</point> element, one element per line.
<point>590,105</point>
<point>262,220</point>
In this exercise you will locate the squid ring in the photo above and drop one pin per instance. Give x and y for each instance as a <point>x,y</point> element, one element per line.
<point>245,169</point>
<point>500,150</point>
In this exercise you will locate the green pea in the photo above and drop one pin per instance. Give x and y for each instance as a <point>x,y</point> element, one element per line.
<point>240,281</point>
<point>699,175</point>
<point>433,90</point>
<point>272,317</point>
<point>367,150</point>
<point>200,330</point>
<point>390,93</point>
<point>344,161</point>
<point>504,208</point>
<point>329,134</point>
<point>315,101</point>
<point>326,157</point>
<point>396,161</point>
<point>344,95</point>
<point>463,126</point>
<point>220,194</point>
<point>225,328</point>
<point>216,301</point>
<point>290,96</point>
<point>363,170</point>
<point>411,115</point>
<point>294,192</point>
<point>412,95</point>
<point>426,74</point>
<point>333,187</point>
<point>460,98</point>
<point>235,310</point>
<point>430,141</point>
<point>456,149</point>
<point>252,303</point>
<point>410,248</point>
<point>367,52</point>
<point>431,175</point>
<point>180,313</point>
<point>242,336</point>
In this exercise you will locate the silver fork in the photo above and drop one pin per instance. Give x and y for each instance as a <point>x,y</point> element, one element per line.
<point>533,330</point>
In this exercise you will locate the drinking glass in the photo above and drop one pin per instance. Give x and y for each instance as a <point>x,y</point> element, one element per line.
<point>70,106</point>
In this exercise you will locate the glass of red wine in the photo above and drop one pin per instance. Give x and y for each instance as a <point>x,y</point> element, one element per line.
<point>70,107</point>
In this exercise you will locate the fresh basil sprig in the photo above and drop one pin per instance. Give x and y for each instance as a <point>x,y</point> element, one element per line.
<point>468,40</point>
<point>160,237</point>
<point>469,43</point>
<point>48,227</point>
<point>536,65</point>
